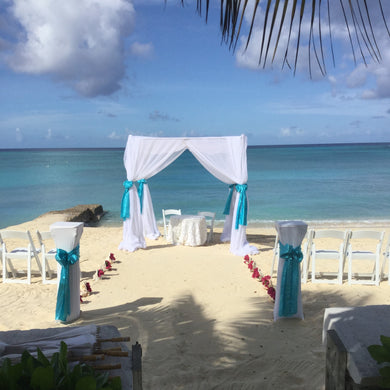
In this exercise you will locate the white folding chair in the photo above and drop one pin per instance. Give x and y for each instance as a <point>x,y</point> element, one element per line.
<point>210,218</point>
<point>165,213</point>
<point>27,252</point>
<point>46,256</point>
<point>386,260</point>
<point>358,252</point>
<point>327,253</point>
<point>306,250</point>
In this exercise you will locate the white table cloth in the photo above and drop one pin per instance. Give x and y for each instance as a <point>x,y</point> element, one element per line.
<point>187,230</point>
<point>66,236</point>
<point>292,233</point>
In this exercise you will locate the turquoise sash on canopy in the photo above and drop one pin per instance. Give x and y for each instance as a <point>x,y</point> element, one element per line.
<point>141,191</point>
<point>125,207</point>
<point>289,285</point>
<point>226,211</point>
<point>242,209</point>
<point>63,294</point>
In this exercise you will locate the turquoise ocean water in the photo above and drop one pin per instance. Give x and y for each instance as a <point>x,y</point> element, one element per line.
<point>330,183</point>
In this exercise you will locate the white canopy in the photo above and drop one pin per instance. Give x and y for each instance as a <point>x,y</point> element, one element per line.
<point>223,157</point>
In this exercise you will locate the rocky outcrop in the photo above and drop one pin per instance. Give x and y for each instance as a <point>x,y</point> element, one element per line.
<point>88,213</point>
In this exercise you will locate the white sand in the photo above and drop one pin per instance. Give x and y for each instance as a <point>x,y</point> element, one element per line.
<point>201,319</point>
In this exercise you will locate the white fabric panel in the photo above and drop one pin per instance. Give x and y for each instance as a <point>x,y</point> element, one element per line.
<point>223,157</point>
<point>146,156</point>
<point>148,219</point>
<point>66,236</point>
<point>228,225</point>
<point>238,242</point>
<point>133,236</point>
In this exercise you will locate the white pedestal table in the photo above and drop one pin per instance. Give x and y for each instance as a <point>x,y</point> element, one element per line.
<point>187,230</point>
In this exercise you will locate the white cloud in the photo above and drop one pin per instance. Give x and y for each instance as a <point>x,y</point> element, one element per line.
<point>115,136</point>
<point>49,134</point>
<point>290,131</point>
<point>142,50</point>
<point>78,42</point>
<point>160,116</point>
<point>18,135</point>
<point>285,132</point>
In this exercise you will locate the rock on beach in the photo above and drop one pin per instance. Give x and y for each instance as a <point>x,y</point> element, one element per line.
<point>90,214</point>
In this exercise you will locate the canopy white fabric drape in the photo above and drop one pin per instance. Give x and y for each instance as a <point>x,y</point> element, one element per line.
<point>223,157</point>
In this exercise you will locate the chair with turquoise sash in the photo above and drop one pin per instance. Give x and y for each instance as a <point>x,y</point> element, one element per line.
<point>66,236</point>
<point>288,299</point>
<point>386,261</point>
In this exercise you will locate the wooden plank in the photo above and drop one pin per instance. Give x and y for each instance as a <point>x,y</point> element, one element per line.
<point>336,362</point>
<point>136,351</point>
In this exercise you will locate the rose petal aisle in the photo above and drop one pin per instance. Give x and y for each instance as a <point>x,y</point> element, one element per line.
<point>85,287</point>
<point>257,274</point>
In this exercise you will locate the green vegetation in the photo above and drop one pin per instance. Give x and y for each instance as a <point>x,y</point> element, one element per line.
<point>43,374</point>
<point>381,353</point>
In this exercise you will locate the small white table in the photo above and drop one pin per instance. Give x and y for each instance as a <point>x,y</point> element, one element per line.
<point>292,233</point>
<point>187,230</point>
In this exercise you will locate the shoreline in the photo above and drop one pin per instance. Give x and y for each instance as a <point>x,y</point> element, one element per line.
<point>271,224</point>
<point>200,317</point>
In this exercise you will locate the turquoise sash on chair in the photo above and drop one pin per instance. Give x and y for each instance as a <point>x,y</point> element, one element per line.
<point>289,287</point>
<point>65,259</point>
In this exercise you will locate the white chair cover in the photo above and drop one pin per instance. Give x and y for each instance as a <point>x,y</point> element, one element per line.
<point>223,157</point>
<point>66,236</point>
<point>290,232</point>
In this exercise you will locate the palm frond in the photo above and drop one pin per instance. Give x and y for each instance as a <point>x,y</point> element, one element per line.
<point>278,17</point>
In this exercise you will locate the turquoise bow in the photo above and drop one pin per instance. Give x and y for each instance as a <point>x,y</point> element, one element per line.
<point>289,287</point>
<point>125,207</point>
<point>229,200</point>
<point>141,191</point>
<point>65,259</point>
<point>242,209</point>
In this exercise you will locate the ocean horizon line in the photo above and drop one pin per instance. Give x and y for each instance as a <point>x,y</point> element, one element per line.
<point>330,144</point>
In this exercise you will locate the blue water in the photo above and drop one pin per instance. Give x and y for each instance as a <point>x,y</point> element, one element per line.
<point>332,184</point>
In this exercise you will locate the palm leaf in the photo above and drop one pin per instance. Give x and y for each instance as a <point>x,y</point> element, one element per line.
<point>357,16</point>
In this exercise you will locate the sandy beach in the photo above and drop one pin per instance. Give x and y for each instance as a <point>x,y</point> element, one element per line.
<point>202,320</point>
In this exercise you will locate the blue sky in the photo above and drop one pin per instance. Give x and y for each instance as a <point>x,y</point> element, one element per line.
<point>86,73</point>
